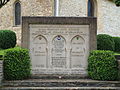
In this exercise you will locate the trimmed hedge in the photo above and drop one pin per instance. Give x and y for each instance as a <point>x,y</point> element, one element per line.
<point>7,39</point>
<point>16,64</point>
<point>117,44</point>
<point>117,2</point>
<point>1,57</point>
<point>105,42</point>
<point>102,65</point>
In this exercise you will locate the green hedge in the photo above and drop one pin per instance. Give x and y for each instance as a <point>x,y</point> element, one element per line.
<point>1,57</point>
<point>117,44</point>
<point>105,42</point>
<point>7,39</point>
<point>102,65</point>
<point>117,2</point>
<point>16,64</point>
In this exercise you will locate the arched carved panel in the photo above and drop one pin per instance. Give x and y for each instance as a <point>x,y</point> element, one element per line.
<point>77,51</point>
<point>59,52</point>
<point>40,52</point>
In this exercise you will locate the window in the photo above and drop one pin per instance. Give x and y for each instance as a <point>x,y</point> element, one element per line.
<point>91,8</point>
<point>17,13</point>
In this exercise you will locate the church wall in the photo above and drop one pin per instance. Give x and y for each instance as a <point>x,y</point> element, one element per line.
<point>28,8</point>
<point>108,14</point>
<point>73,8</point>
<point>108,18</point>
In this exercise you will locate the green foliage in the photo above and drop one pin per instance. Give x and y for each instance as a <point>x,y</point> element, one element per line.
<point>105,42</point>
<point>117,2</point>
<point>7,39</point>
<point>16,64</point>
<point>117,44</point>
<point>1,57</point>
<point>3,2</point>
<point>102,65</point>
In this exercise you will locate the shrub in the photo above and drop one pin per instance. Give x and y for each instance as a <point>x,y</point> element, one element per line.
<point>7,39</point>
<point>117,2</point>
<point>16,64</point>
<point>102,65</point>
<point>1,57</point>
<point>117,44</point>
<point>105,42</point>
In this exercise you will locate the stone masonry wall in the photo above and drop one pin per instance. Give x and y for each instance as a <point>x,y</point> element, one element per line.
<point>108,18</point>
<point>28,8</point>
<point>73,8</point>
<point>107,13</point>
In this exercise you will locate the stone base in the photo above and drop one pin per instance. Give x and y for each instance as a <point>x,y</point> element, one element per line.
<point>61,84</point>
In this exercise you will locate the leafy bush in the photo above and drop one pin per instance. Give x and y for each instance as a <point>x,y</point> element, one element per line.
<point>117,44</point>
<point>1,57</point>
<point>117,2</point>
<point>16,64</point>
<point>7,39</point>
<point>105,42</point>
<point>102,65</point>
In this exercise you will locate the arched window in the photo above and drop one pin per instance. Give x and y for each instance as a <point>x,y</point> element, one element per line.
<point>92,8</point>
<point>17,13</point>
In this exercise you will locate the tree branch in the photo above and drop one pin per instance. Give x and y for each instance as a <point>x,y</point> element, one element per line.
<point>3,2</point>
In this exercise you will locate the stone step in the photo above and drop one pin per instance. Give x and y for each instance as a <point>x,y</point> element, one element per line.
<point>60,88</point>
<point>44,76</point>
<point>61,83</point>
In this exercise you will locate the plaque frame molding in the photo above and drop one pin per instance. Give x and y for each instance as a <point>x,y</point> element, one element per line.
<point>91,21</point>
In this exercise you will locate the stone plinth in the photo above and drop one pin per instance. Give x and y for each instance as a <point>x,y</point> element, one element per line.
<point>59,45</point>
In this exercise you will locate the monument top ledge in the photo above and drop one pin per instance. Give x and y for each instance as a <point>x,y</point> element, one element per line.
<point>59,20</point>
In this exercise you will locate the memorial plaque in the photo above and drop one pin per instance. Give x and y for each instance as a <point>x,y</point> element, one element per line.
<point>39,52</point>
<point>77,52</point>
<point>58,52</point>
<point>59,45</point>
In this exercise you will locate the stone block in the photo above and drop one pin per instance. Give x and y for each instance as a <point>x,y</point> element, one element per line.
<point>59,45</point>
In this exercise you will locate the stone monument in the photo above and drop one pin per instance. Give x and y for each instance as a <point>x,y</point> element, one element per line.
<point>59,45</point>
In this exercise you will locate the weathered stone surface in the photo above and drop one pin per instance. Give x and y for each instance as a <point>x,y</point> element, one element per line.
<point>28,8</point>
<point>106,12</point>
<point>61,83</point>
<point>59,45</point>
<point>61,88</point>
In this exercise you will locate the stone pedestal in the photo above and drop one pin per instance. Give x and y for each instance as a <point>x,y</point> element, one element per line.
<point>59,45</point>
